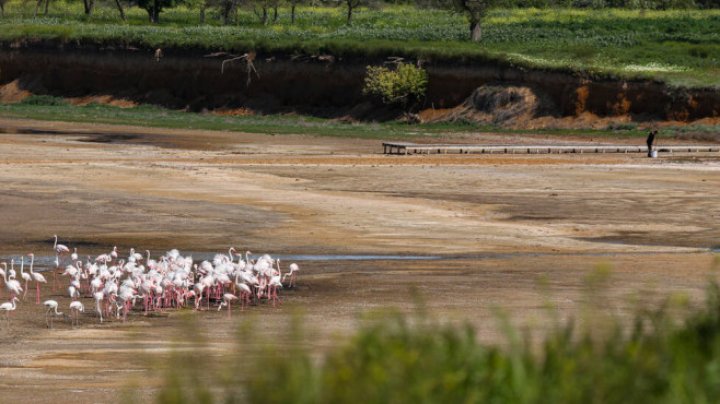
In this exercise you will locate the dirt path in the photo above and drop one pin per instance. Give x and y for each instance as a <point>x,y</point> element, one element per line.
<point>512,232</point>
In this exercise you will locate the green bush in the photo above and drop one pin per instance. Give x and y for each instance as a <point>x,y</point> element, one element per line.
<point>405,85</point>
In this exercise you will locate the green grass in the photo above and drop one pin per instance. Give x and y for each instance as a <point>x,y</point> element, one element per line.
<point>49,108</point>
<point>54,109</point>
<point>681,47</point>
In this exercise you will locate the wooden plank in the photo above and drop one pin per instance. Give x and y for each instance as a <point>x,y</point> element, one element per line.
<point>415,148</point>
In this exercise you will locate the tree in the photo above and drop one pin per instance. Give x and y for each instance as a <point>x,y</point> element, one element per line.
<point>155,7</point>
<point>475,10</point>
<point>352,5</point>
<point>227,8</point>
<point>37,6</point>
<point>88,6</point>
<point>261,9</point>
<point>2,7</point>
<point>293,5</point>
<point>120,10</point>
<point>403,86</point>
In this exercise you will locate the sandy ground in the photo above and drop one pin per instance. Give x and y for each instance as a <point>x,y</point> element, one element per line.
<point>518,233</point>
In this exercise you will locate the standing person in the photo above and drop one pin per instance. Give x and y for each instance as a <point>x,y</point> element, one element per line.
<point>650,140</point>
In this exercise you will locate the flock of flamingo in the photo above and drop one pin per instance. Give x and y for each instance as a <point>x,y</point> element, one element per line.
<point>119,284</point>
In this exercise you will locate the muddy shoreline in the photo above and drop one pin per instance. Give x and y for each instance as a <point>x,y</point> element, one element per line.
<point>521,233</point>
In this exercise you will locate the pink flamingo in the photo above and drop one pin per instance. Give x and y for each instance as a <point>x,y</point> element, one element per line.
<point>227,301</point>
<point>25,276</point>
<point>11,285</point>
<point>37,277</point>
<point>245,294</point>
<point>60,249</point>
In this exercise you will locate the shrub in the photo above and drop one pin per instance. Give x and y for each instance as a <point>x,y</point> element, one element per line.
<point>404,86</point>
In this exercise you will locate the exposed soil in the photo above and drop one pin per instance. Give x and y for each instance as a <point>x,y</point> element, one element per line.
<point>333,88</point>
<point>519,233</point>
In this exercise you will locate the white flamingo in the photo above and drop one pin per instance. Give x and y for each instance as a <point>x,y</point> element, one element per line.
<point>293,269</point>
<point>98,298</point>
<point>76,307</point>
<point>60,249</point>
<point>39,278</point>
<point>26,277</point>
<point>8,307</point>
<point>227,301</point>
<point>51,305</point>
<point>13,287</point>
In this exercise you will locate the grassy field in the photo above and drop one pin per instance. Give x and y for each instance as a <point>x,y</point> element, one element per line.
<point>56,109</point>
<point>49,108</point>
<point>681,47</point>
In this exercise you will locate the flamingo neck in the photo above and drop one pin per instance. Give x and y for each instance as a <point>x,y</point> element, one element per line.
<point>56,239</point>
<point>32,261</point>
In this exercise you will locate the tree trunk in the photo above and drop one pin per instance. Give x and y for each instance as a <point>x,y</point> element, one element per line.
<point>349,13</point>
<point>156,12</point>
<point>224,12</point>
<point>37,6</point>
<point>202,13</point>
<point>120,9</point>
<point>275,14</point>
<point>47,6</point>
<point>88,5</point>
<point>292,13</point>
<point>2,8</point>
<point>475,31</point>
<point>264,15</point>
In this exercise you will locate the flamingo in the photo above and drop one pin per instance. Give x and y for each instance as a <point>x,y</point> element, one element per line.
<point>74,255</point>
<point>274,284</point>
<point>11,273</point>
<point>25,276</point>
<point>11,285</point>
<point>245,293</point>
<point>227,301</point>
<point>59,250</point>
<point>51,305</point>
<point>98,298</point>
<point>76,308</point>
<point>8,307</point>
<point>37,277</point>
<point>293,268</point>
